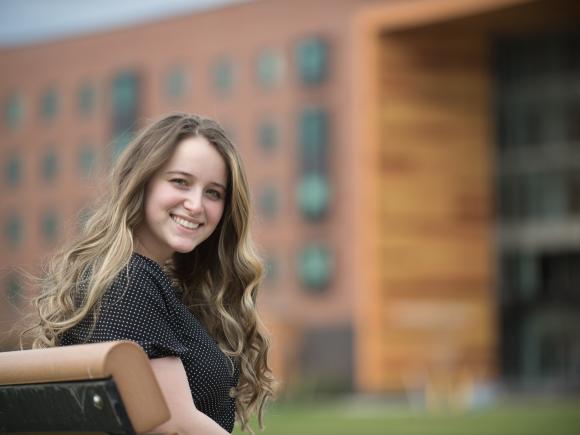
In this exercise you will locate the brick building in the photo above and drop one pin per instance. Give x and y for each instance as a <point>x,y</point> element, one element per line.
<point>376,135</point>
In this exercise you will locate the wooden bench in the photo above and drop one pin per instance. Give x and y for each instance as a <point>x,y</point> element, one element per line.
<point>102,387</point>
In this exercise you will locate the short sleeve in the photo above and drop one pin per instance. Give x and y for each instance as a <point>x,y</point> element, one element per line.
<point>133,308</point>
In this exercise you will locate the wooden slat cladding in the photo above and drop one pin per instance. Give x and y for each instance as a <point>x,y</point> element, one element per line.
<point>435,206</point>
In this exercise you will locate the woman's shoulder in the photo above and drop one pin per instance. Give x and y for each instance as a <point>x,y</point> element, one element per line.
<point>144,271</point>
<point>140,275</point>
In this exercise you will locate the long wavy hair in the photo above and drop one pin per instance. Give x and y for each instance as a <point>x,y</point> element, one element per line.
<point>221,294</point>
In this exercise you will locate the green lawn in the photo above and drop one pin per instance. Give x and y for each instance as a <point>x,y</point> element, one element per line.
<point>535,417</point>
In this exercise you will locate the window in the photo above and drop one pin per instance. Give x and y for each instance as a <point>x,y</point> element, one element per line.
<point>49,104</point>
<point>538,185</point>
<point>13,170</point>
<point>13,110</point>
<point>520,277</point>
<point>175,84</point>
<point>223,76</point>
<point>13,290</point>
<point>49,166</point>
<point>49,226</point>
<point>315,267</point>
<point>86,99</point>
<point>269,69</point>
<point>313,139</point>
<point>268,201</point>
<point>271,269</point>
<point>268,135</point>
<point>13,230</point>
<point>125,89</point>
<point>312,61</point>
<point>313,196</point>
<point>87,160</point>
<point>313,189</point>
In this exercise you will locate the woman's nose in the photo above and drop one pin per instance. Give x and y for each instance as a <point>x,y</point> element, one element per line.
<point>193,202</point>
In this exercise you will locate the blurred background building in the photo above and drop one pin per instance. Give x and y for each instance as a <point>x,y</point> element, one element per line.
<point>415,169</point>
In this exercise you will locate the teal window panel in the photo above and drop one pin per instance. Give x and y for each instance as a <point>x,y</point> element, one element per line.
<point>175,84</point>
<point>50,166</point>
<point>49,226</point>
<point>13,289</point>
<point>223,76</point>
<point>87,159</point>
<point>14,110</point>
<point>313,132</point>
<point>49,104</point>
<point>126,100</point>
<point>269,201</point>
<point>313,196</point>
<point>268,135</point>
<point>14,230</point>
<point>315,267</point>
<point>269,68</point>
<point>313,190</point>
<point>120,143</point>
<point>271,267</point>
<point>86,99</point>
<point>125,93</point>
<point>312,61</point>
<point>13,170</point>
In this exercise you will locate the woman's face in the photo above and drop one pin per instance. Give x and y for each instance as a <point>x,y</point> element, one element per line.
<point>184,201</point>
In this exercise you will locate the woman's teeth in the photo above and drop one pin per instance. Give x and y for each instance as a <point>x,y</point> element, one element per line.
<point>184,223</point>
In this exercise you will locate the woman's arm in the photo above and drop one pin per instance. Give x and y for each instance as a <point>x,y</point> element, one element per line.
<point>185,418</point>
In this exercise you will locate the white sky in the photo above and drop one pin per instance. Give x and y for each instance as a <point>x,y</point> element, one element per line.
<point>29,21</point>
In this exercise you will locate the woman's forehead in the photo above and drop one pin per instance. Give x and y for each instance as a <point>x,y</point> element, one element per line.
<point>197,157</point>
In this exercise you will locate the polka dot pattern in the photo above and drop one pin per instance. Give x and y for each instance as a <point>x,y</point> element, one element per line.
<point>142,306</point>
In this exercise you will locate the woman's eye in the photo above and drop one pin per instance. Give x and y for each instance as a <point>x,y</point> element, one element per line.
<point>214,194</point>
<point>179,181</point>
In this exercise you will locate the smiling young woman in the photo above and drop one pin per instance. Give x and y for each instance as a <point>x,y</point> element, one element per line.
<point>167,260</point>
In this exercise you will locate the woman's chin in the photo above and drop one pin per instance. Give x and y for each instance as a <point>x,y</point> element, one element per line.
<point>184,249</point>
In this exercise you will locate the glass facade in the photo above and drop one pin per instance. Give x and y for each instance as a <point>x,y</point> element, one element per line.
<point>538,83</point>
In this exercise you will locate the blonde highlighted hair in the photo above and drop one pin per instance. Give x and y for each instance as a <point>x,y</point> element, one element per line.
<point>221,294</point>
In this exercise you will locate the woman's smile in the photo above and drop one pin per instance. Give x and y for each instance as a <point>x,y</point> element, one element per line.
<point>185,223</point>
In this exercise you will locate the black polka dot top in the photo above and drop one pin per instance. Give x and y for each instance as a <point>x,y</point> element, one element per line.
<point>143,306</point>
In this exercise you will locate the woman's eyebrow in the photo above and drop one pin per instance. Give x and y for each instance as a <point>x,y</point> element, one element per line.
<point>187,174</point>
